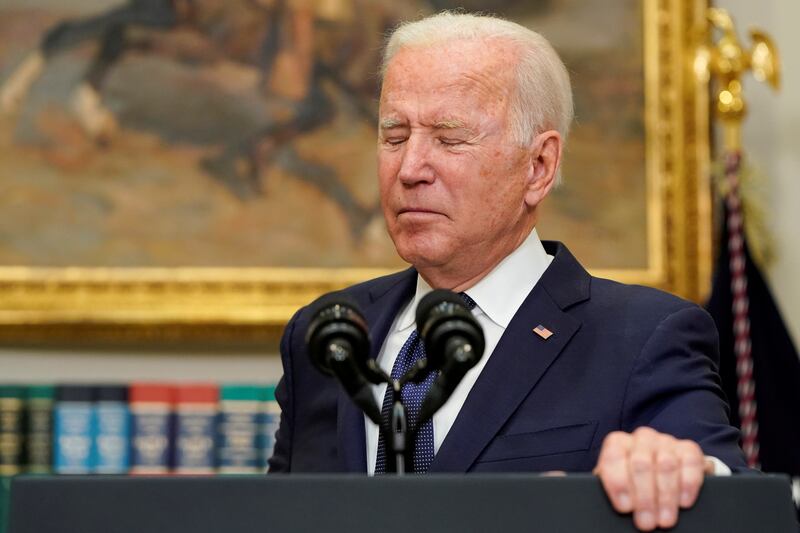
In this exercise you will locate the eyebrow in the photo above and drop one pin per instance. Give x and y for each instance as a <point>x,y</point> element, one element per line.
<point>451,124</point>
<point>448,124</point>
<point>389,123</point>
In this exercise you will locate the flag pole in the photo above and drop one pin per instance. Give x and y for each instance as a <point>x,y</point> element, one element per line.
<point>727,61</point>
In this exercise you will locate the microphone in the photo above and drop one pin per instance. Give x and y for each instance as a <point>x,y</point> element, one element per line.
<point>453,344</point>
<point>338,343</point>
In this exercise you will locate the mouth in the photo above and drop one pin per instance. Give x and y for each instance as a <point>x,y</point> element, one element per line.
<point>417,210</point>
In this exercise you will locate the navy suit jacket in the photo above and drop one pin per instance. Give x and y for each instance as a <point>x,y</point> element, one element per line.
<point>620,357</point>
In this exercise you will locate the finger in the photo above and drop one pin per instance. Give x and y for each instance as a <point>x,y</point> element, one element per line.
<point>692,470</point>
<point>709,466</point>
<point>642,471</point>
<point>612,468</point>
<point>667,483</point>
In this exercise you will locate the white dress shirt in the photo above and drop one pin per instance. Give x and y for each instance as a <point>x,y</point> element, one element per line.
<point>498,296</point>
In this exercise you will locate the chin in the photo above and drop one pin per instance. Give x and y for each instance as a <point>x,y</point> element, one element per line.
<point>421,245</point>
<point>421,255</point>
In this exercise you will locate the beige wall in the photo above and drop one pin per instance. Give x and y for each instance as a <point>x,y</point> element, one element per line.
<point>771,137</point>
<point>772,142</point>
<point>73,365</point>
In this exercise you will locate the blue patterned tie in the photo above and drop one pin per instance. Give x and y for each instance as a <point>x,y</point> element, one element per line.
<point>412,395</point>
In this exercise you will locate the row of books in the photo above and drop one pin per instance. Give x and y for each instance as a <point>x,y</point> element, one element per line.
<point>137,428</point>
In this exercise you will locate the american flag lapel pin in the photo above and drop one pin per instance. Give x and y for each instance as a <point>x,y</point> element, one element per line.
<point>543,332</point>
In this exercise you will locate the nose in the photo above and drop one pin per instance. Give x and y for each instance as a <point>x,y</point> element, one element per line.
<point>415,163</point>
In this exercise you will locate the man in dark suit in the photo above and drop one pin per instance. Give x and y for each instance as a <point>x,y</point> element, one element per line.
<point>579,373</point>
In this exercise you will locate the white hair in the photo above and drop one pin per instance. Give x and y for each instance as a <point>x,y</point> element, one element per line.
<point>543,97</point>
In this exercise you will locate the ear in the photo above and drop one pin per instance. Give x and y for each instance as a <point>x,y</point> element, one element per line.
<point>545,155</point>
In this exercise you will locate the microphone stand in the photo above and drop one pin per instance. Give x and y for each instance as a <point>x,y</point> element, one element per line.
<point>396,435</point>
<point>399,436</point>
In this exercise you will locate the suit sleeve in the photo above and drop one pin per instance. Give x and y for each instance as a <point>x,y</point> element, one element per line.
<point>675,387</point>
<point>281,460</point>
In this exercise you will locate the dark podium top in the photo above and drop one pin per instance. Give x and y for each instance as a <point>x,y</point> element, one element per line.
<point>413,504</point>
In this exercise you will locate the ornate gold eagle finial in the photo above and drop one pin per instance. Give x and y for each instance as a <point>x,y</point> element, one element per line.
<point>727,61</point>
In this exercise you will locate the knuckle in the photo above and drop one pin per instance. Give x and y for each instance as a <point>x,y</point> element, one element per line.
<point>616,439</point>
<point>691,480</point>
<point>695,464</point>
<point>614,480</point>
<point>665,440</point>
<point>689,447</point>
<point>666,462</point>
<point>668,498</point>
<point>612,454</point>
<point>693,459</point>
<point>614,449</point>
<point>645,502</point>
<point>691,487</point>
<point>641,462</point>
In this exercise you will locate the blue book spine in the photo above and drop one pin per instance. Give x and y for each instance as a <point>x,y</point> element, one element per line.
<point>241,442</point>
<point>195,438</point>
<point>112,438</point>
<point>150,439</point>
<point>73,430</point>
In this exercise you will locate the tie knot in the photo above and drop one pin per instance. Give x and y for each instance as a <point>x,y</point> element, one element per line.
<point>469,302</point>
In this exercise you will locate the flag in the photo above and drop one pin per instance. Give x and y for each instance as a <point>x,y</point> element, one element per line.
<point>759,365</point>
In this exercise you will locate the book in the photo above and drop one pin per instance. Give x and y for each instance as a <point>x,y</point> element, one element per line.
<point>240,438</point>
<point>151,410</point>
<point>195,428</point>
<point>73,429</point>
<point>141,428</point>
<point>112,430</point>
<point>11,429</point>
<point>39,429</point>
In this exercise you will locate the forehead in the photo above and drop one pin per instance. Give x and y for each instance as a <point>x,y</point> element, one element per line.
<point>479,68</point>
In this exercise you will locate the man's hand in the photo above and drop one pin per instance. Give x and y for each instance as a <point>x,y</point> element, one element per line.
<point>651,474</point>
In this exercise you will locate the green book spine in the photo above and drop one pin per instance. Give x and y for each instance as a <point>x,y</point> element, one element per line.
<point>5,500</point>
<point>39,448</point>
<point>239,439</point>
<point>11,429</point>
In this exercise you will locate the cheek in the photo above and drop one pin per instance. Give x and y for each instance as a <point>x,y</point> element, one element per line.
<point>500,191</point>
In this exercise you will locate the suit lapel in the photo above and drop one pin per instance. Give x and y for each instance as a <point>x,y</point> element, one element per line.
<point>386,300</point>
<point>518,362</point>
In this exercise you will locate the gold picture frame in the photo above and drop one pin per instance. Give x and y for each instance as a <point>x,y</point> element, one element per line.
<point>57,305</point>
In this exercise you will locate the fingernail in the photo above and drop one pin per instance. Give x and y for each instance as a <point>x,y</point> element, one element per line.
<point>646,519</point>
<point>624,500</point>
<point>686,498</point>
<point>666,516</point>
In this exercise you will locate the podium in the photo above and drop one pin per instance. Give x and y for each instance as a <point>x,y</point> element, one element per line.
<point>339,503</point>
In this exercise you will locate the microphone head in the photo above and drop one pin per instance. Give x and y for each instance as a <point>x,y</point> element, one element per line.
<point>442,315</point>
<point>336,317</point>
<point>435,298</point>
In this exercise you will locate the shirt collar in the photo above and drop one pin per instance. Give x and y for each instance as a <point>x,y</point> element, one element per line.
<point>501,292</point>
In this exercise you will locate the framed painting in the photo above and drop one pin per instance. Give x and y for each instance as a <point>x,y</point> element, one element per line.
<point>174,169</point>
